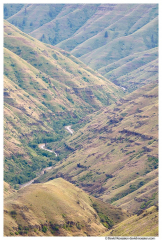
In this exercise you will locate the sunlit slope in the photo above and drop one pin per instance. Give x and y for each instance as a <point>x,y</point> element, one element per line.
<point>7,189</point>
<point>115,156</point>
<point>142,224</point>
<point>45,89</point>
<point>24,120</point>
<point>54,208</point>
<point>60,70</point>
<point>98,34</point>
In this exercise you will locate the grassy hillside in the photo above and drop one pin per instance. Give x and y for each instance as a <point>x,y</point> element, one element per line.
<point>133,71</point>
<point>124,45</point>
<point>7,189</point>
<point>115,156</point>
<point>148,219</point>
<point>98,34</point>
<point>50,209</point>
<point>45,89</point>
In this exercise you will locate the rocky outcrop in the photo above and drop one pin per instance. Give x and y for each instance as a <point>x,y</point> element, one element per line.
<point>129,133</point>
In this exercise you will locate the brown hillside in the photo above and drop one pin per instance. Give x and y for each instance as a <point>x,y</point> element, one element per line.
<point>115,156</point>
<point>54,208</point>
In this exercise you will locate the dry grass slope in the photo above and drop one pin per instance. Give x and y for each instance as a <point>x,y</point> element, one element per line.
<point>144,224</point>
<point>115,156</point>
<point>50,209</point>
<point>45,89</point>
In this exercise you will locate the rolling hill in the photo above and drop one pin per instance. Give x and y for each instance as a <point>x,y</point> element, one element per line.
<point>115,156</point>
<point>49,209</point>
<point>45,89</point>
<point>100,35</point>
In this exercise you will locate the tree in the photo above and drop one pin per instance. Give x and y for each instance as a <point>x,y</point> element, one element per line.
<point>24,21</point>
<point>50,164</point>
<point>153,41</point>
<point>106,34</point>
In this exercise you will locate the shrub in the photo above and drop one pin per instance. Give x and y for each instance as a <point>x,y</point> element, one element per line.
<point>78,225</point>
<point>13,213</point>
<point>85,79</point>
<point>105,224</point>
<point>20,227</point>
<point>44,229</point>
<point>108,176</point>
<point>66,227</point>
<point>25,231</point>
<point>153,162</point>
<point>70,99</point>
<point>33,145</point>
<point>50,164</point>
<point>54,227</point>
<point>55,56</point>
<point>26,228</point>
<point>96,207</point>
<point>64,215</point>
<point>150,142</point>
<point>21,232</point>
<point>124,114</point>
<point>139,212</point>
<point>106,221</point>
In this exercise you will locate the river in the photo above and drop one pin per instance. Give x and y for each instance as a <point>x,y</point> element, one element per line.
<point>69,129</point>
<point>42,146</point>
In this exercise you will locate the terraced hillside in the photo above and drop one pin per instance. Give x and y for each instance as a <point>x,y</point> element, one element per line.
<point>114,39</point>
<point>50,209</point>
<point>45,89</point>
<point>115,156</point>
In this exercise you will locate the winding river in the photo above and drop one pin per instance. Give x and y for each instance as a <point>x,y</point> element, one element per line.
<point>42,146</point>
